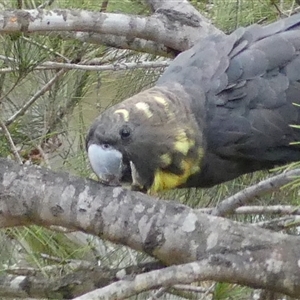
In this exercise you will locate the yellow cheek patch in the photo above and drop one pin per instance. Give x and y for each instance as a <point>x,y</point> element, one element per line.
<point>144,107</point>
<point>166,160</point>
<point>161,100</point>
<point>164,180</point>
<point>183,144</point>
<point>165,103</point>
<point>200,152</point>
<point>124,112</point>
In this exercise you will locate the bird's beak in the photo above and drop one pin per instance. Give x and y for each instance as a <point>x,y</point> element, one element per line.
<point>107,163</point>
<point>136,179</point>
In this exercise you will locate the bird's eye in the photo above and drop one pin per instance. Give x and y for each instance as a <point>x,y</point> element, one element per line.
<point>105,146</point>
<point>125,132</point>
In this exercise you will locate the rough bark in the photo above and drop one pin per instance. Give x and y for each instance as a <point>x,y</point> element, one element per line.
<point>171,232</point>
<point>167,27</point>
<point>84,279</point>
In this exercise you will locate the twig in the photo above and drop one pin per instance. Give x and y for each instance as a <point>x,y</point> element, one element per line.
<point>45,4</point>
<point>260,210</point>
<point>104,6</point>
<point>11,143</point>
<point>183,287</point>
<point>191,288</point>
<point>59,228</point>
<point>39,93</point>
<point>54,258</point>
<point>112,67</point>
<point>76,263</point>
<point>157,294</point>
<point>209,290</point>
<point>280,223</point>
<point>53,269</point>
<point>19,4</point>
<point>44,156</point>
<point>21,271</point>
<point>228,205</point>
<point>75,277</point>
<point>31,41</point>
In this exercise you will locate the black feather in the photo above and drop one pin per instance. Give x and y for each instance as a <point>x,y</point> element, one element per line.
<point>242,88</point>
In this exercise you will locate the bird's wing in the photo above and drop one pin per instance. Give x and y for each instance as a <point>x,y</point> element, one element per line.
<point>251,116</point>
<point>243,88</point>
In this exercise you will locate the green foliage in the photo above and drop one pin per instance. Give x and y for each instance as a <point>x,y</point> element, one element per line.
<point>39,240</point>
<point>231,14</point>
<point>224,291</point>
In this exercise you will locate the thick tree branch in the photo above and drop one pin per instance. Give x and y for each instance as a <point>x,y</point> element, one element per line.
<point>180,9</point>
<point>169,231</point>
<point>205,269</point>
<point>122,42</point>
<point>164,27</point>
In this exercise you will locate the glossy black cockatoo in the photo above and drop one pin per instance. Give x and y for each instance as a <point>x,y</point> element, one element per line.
<point>223,108</point>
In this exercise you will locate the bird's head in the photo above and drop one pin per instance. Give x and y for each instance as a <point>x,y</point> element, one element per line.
<point>152,136</point>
